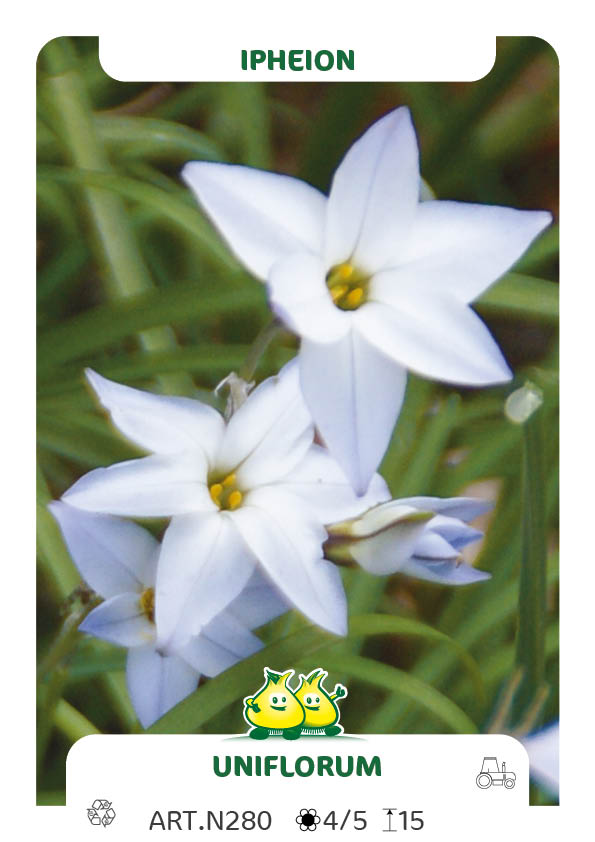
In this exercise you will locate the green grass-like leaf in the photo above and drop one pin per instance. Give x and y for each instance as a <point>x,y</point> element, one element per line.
<point>406,685</point>
<point>107,324</point>
<point>521,295</point>
<point>178,210</point>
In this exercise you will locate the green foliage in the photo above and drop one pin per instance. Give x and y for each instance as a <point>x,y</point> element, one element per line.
<point>135,282</point>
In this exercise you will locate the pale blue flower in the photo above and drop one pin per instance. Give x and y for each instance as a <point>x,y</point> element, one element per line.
<point>118,559</point>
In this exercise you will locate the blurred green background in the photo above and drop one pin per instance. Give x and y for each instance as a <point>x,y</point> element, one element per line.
<point>134,281</point>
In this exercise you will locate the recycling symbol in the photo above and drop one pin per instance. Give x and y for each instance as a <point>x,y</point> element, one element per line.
<point>101,812</point>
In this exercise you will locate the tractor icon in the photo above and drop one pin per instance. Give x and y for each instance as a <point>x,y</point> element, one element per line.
<point>492,774</point>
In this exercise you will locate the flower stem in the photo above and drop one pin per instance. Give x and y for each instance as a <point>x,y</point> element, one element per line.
<point>523,406</point>
<point>48,697</point>
<point>65,640</point>
<point>71,722</point>
<point>263,339</point>
<point>60,576</point>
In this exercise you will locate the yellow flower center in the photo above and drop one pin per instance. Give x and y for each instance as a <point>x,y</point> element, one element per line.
<point>225,493</point>
<point>147,603</point>
<point>348,286</point>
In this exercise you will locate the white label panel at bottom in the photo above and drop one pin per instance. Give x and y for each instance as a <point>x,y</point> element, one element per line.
<point>350,787</point>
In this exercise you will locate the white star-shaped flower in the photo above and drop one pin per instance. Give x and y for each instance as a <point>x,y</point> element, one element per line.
<point>420,537</point>
<point>373,280</point>
<point>253,491</point>
<point>119,560</point>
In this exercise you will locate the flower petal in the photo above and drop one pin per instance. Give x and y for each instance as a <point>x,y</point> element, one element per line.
<point>151,487</point>
<point>354,393</point>
<point>374,194</point>
<point>455,531</point>
<point>443,572</point>
<point>259,602</point>
<point>157,683</point>
<point>220,645</point>
<point>262,216</point>
<point>376,519</point>
<point>270,433</point>
<point>463,248</point>
<point>228,632</point>
<point>113,556</point>
<point>287,541</point>
<point>120,620</point>
<point>300,298</point>
<point>433,547</point>
<point>159,423</point>
<point>463,508</point>
<point>435,336</point>
<point>204,565</point>
<point>388,550</point>
<point>320,483</point>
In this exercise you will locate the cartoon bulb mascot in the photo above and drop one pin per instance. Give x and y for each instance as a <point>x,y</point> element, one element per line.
<point>322,712</point>
<point>274,709</point>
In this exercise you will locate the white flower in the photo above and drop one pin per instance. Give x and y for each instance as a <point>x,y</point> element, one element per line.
<point>418,536</point>
<point>374,281</point>
<point>252,491</point>
<point>543,749</point>
<point>118,560</point>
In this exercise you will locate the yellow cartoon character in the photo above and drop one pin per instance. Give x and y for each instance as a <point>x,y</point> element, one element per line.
<point>274,709</point>
<point>322,712</point>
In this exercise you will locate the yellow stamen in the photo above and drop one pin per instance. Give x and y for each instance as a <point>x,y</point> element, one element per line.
<point>344,271</point>
<point>215,491</point>
<point>235,499</point>
<point>348,286</point>
<point>147,603</point>
<point>225,494</point>
<point>353,299</point>
<point>338,291</point>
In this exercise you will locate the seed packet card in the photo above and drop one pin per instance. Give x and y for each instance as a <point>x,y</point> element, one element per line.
<point>297,483</point>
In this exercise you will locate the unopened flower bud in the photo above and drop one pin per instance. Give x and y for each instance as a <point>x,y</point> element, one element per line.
<point>380,540</point>
<point>419,536</point>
